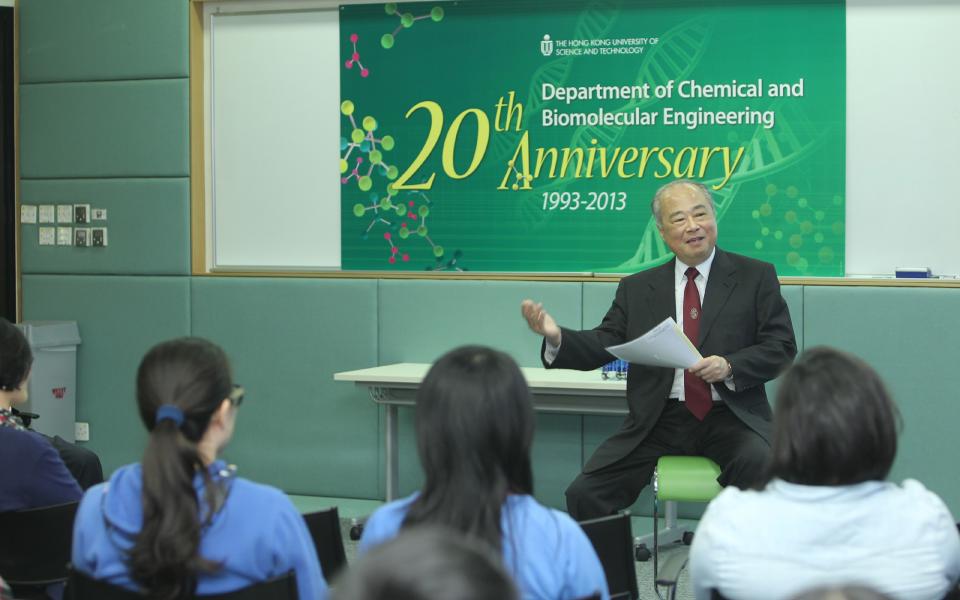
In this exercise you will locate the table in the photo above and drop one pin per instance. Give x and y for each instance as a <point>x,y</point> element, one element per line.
<point>553,390</point>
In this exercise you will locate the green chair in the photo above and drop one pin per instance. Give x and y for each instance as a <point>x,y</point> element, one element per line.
<point>676,479</point>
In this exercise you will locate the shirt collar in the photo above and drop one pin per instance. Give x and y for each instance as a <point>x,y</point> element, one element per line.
<point>680,269</point>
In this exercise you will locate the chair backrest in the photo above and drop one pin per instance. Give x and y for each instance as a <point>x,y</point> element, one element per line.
<point>83,587</point>
<point>324,526</point>
<point>612,538</point>
<point>35,544</point>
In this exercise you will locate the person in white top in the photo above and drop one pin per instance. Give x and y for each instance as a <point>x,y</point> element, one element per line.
<point>825,514</point>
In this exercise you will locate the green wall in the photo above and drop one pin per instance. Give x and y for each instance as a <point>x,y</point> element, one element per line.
<point>104,120</point>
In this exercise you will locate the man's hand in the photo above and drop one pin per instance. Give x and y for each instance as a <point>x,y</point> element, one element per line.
<point>712,369</point>
<point>540,321</point>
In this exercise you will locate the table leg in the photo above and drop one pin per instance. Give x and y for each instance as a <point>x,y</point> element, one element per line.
<point>393,458</point>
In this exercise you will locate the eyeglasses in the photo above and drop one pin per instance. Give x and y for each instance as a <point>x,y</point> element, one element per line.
<point>236,396</point>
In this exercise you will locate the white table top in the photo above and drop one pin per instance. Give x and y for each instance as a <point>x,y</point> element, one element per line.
<point>541,381</point>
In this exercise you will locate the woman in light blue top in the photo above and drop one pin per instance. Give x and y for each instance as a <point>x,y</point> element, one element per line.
<point>474,427</point>
<point>181,523</point>
<point>826,516</point>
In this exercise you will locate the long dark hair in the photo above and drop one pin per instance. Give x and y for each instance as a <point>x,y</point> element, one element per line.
<point>474,427</point>
<point>193,375</point>
<point>834,422</point>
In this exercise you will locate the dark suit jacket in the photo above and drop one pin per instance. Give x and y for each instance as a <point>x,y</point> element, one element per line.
<point>745,320</point>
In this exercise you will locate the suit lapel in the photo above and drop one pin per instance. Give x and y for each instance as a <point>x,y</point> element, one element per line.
<point>720,285</point>
<point>663,288</point>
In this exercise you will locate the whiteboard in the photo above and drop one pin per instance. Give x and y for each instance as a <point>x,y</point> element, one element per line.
<point>273,131</point>
<point>903,136</point>
<point>263,116</point>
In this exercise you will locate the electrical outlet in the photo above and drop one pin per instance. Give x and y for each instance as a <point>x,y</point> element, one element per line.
<point>99,236</point>
<point>81,236</point>
<point>81,431</point>
<point>81,213</point>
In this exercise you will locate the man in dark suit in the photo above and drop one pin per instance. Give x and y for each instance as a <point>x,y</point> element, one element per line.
<point>718,407</point>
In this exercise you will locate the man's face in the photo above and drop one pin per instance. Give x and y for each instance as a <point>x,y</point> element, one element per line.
<point>687,224</point>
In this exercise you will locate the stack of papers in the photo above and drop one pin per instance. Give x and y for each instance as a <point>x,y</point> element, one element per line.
<point>663,346</point>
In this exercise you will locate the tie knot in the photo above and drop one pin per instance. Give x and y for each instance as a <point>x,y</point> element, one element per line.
<point>692,273</point>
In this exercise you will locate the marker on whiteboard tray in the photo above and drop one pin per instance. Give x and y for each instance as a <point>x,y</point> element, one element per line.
<point>913,273</point>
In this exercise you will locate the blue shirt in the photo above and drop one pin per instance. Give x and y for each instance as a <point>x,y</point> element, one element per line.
<point>256,535</point>
<point>547,552</point>
<point>33,472</point>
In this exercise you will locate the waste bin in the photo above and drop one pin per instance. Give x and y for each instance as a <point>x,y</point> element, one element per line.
<point>53,378</point>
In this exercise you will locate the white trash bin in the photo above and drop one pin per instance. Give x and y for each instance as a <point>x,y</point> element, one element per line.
<point>53,378</point>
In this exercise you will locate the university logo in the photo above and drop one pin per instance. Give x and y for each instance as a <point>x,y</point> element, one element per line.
<point>546,46</point>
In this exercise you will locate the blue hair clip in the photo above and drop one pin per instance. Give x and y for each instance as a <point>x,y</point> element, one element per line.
<point>171,412</point>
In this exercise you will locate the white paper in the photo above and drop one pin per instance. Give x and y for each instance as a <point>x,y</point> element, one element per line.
<point>663,346</point>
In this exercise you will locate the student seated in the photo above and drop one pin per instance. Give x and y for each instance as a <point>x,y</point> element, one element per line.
<point>34,475</point>
<point>474,427</point>
<point>82,463</point>
<point>825,516</point>
<point>427,563</point>
<point>181,522</point>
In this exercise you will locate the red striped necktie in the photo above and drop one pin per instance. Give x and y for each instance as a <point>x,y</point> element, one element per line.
<point>696,391</point>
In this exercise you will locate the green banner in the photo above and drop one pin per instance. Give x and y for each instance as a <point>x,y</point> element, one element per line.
<point>502,136</point>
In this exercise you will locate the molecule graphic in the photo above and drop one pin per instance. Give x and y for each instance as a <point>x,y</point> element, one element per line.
<point>451,265</point>
<point>364,142</point>
<point>406,21</point>
<point>792,224</point>
<point>355,57</point>
<point>403,219</point>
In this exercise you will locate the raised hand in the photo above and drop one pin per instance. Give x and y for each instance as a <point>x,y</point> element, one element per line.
<point>540,321</point>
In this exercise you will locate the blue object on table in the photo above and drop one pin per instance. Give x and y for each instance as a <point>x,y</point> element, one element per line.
<point>913,273</point>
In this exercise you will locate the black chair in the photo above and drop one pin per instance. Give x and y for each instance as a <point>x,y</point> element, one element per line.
<point>324,526</point>
<point>612,538</point>
<point>35,547</point>
<point>84,587</point>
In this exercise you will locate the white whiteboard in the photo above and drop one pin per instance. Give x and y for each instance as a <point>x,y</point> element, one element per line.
<point>265,117</point>
<point>903,136</point>
<point>273,131</point>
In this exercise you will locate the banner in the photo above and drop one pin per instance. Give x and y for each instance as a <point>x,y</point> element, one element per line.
<point>508,137</point>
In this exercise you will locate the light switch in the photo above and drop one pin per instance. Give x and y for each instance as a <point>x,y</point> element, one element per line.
<point>45,213</point>
<point>28,213</point>
<point>48,236</point>
<point>64,236</point>
<point>64,213</point>
<point>99,214</point>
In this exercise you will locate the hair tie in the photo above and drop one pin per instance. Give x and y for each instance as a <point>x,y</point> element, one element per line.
<point>171,412</point>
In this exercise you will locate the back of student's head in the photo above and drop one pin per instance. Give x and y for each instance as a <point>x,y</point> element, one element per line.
<point>834,422</point>
<point>474,425</point>
<point>184,380</point>
<point>427,563</point>
<point>15,356</point>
